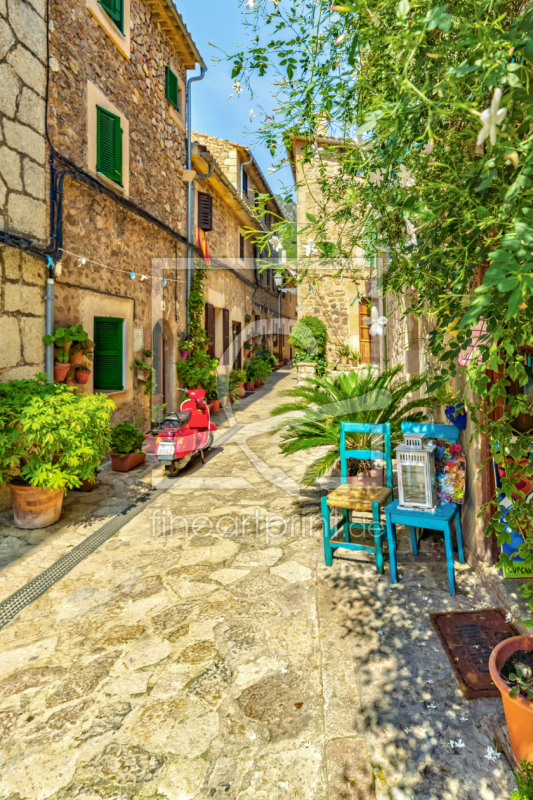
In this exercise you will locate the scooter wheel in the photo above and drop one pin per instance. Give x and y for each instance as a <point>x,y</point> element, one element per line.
<point>172,470</point>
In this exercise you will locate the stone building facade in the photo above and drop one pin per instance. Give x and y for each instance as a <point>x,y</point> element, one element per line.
<point>242,294</point>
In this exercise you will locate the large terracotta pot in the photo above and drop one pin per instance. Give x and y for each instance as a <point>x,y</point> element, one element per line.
<point>241,391</point>
<point>121,463</point>
<point>77,358</point>
<point>82,375</point>
<point>60,372</point>
<point>518,710</point>
<point>215,406</point>
<point>35,507</point>
<point>86,485</point>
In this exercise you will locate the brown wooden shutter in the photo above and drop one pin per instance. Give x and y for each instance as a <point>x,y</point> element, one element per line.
<point>210,328</point>
<point>241,246</point>
<point>225,335</point>
<point>364,331</point>
<point>205,211</point>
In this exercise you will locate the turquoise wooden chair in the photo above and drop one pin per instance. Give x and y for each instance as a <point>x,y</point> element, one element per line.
<point>439,520</point>
<point>359,498</point>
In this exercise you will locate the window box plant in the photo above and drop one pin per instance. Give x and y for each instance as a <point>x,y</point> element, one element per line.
<point>51,439</point>
<point>126,443</point>
<point>511,669</point>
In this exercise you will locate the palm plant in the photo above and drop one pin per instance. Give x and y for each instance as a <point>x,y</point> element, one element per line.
<point>351,397</point>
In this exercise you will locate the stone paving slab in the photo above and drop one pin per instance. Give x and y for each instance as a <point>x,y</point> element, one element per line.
<point>205,652</point>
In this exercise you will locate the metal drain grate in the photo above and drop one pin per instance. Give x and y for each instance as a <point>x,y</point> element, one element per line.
<point>10,607</point>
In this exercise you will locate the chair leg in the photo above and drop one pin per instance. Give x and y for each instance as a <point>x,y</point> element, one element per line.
<point>449,558</point>
<point>326,530</point>
<point>414,543</point>
<point>376,513</point>
<point>346,526</point>
<point>391,536</point>
<point>459,536</point>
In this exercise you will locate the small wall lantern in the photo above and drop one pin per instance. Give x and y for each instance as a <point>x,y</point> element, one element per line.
<point>417,483</point>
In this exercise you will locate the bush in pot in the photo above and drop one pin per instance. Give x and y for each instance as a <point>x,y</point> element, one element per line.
<point>239,377</point>
<point>126,443</point>
<point>51,439</point>
<point>511,669</point>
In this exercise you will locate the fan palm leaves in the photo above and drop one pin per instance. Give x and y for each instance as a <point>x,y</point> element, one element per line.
<point>363,396</point>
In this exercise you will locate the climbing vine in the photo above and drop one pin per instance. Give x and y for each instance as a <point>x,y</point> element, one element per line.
<point>432,107</point>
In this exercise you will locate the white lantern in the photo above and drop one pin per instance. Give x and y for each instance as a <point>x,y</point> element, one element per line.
<point>417,483</point>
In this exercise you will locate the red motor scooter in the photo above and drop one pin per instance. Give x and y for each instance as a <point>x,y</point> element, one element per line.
<point>181,436</point>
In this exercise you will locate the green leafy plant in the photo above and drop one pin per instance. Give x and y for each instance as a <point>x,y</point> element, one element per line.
<point>126,437</point>
<point>257,369</point>
<point>199,371</point>
<point>147,353</point>
<point>247,345</point>
<point>186,344</point>
<point>524,782</point>
<point>523,686</point>
<point>267,356</point>
<point>343,351</point>
<point>51,436</point>
<point>238,375</point>
<point>355,355</point>
<point>66,335</point>
<point>444,395</point>
<point>62,355</point>
<point>147,383</point>
<point>86,347</point>
<point>351,397</point>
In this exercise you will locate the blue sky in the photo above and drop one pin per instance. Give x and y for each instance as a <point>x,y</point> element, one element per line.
<point>220,22</point>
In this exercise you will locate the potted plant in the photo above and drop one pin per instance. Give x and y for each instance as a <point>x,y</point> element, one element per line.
<point>199,371</point>
<point>455,409</point>
<point>239,377</point>
<point>83,374</point>
<point>145,375</point>
<point>247,317</point>
<point>81,350</point>
<point>186,346</point>
<point>247,347</point>
<point>363,472</point>
<point>51,439</point>
<point>511,669</point>
<point>61,365</point>
<point>355,356</point>
<point>344,354</point>
<point>126,443</point>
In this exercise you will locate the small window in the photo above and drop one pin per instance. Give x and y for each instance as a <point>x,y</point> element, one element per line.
<point>171,88</point>
<point>115,9</point>
<point>245,181</point>
<point>205,211</point>
<point>241,246</point>
<point>108,145</point>
<point>108,354</point>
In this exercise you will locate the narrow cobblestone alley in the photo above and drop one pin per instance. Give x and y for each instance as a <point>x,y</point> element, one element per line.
<point>206,652</point>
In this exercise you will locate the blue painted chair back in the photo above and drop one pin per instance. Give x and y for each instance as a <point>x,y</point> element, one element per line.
<point>369,455</point>
<point>450,432</point>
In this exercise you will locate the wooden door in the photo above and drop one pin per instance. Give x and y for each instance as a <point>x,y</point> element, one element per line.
<point>364,330</point>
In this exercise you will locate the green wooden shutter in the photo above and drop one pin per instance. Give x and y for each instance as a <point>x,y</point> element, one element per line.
<point>115,9</point>
<point>108,145</point>
<point>108,353</point>
<point>172,88</point>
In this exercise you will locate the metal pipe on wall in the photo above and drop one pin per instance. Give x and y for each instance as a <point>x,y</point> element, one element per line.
<point>190,194</point>
<point>49,327</point>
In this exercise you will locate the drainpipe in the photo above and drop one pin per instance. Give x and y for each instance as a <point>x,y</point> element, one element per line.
<point>244,164</point>
<point>190,193</point>
<point>49,321</point>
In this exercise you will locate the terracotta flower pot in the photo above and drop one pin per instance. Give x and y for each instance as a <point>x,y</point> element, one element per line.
<point>258,383</point>
<point>34,507</point>
<point>518,710</point>
<point>87,486</point>
<point>82,375</point>
<point>60,372</point>
<point>77,358</point>
<point>249,386</point>
<point>70,381</point>
<point>142,374</point>
<point>120,463</point>
<point>241,391</point>
<point>215,406</point>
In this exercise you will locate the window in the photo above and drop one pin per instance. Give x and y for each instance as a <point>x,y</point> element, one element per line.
<point>210,328</point>
<point>108,145</point>
<point>172,89</point>
<point>241,246</point>
<point>205,211</point>
<point>108,354</point>
<point>245,181</point>
<point>115,9</point>
<point>364,330</point>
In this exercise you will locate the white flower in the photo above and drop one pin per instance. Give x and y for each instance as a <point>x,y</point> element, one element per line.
<point>310,248</point>
<point>376,177</point>
<point>411,232</point>
<point>405,177</point>
<point>251,114</point>
<point>407,730</point>
<point>249,3</point>
<point>316,150</point>
<point>283,671</point>
<point>492,754</point>
<point>377,323</point>
<point>490,118</point>
<point>237,88</point>
<point>459,744</point>
<point>341,38</point>
<point>276,243</point>
<point>508,617</point>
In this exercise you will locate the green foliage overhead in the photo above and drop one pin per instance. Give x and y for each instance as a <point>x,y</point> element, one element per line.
<point>51,436</point>
<point>126,438</point>
<point>352,397</point>
<point>433,109</point>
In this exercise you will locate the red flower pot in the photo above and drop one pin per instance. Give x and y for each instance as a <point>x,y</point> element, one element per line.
<point>70,381</point>
<point>77,358</point>
<point>82,375</point>
<point>249,386</point>
<point>87,486</point>
<point>120,463</point>
<point>518,710</point>
<point>60,372</point>
<point>258,383</point>
<point>35,507</point>
<point>215,406</point>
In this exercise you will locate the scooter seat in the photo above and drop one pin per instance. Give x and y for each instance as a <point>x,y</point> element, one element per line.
<point>176,420</point>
